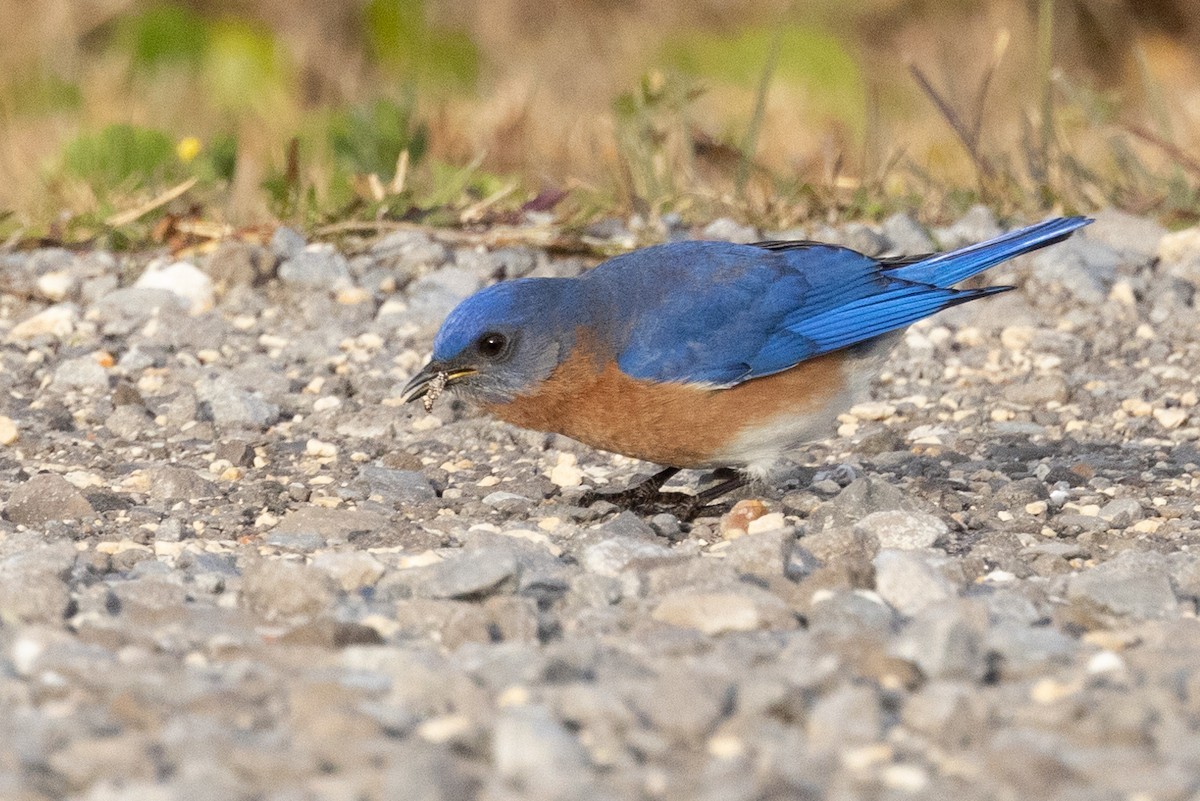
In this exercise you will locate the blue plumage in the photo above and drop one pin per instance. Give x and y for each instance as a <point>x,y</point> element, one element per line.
<point>719,314</point>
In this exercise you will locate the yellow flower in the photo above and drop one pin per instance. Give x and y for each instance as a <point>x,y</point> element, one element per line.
<point>188,148</point>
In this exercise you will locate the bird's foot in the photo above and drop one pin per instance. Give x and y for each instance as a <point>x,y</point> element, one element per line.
<point>648,497</point>
<point>636,497</point>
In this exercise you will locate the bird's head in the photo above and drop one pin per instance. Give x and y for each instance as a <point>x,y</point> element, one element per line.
<point>498,344</point>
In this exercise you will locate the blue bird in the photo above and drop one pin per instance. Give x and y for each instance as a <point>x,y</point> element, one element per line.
<point>702,354</point>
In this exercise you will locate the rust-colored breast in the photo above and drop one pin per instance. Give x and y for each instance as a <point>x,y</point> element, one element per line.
<point>671,424</point>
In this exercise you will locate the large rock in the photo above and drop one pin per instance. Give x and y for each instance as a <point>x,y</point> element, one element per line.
<point>909,582</point>
<point>1131,585</point>
<point>46,497</point>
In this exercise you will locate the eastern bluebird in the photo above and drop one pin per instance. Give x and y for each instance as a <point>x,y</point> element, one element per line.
<point>701,354</point>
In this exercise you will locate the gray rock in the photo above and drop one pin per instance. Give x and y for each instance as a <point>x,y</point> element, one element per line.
<point>232,406</point>
<point>841,544</point>
<point>404,486</point>
<point>764,553</point>
<point>845,613</point>
<point>847,716</point>
<point>948,712</point>
<point>860,498</point>
<point>82,372</point>
<point>350,570</point>
<point>507,501</point>
<point>610,557</point>
<point>903,530</point>
<point>406,253</point>
<point>1134,237</point>
<point>467,576</point>
<point>1037,390</point>
<point>285,592</point>
<point>235,451</point>
<point>420,771</point>
<point>331,525</point>
<point>46,497</point>
<point>977,225</point>
<point>906,235</point>
<point>178,483</point>
<point>666,525</point>
<point>32,598</point>
<point>156,599</point>
<point>628,524</point>
<point>32,582</point>
<point>129,421</point>
<point>287,243</point>
<point>864,239</point>
<point>302,541</point>
<point>514,262</point>
<point>725,229</point>
<point>1132,584</point>
<point>1185,574</point>
<point>1023,650</point>
<point>947,641</point>
<point>1082,268</point>
<point>122,310</point>
<point>720,612</point>
<point>170,530</point>
<point>431,297</point>
<point>237,263</point>
<point>1121,512</point>
<point>910,583</point>
<point>316,267</point>
<point>536,753</point>
<point>684,708</point>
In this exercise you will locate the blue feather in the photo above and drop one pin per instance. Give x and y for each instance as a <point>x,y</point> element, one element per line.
<point>947,269</point>
<point>718,314</point>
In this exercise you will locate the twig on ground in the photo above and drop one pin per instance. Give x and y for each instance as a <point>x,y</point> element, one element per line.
<point>126,217</point>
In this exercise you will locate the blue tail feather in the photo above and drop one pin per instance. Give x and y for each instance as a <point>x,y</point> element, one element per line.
<point>947,269</point>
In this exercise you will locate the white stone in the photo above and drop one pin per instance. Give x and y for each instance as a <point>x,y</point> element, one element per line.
<point>57,321</point>
<point>1180,245</point>
<point>320,449</point>
<point>326,403</point>
<point>1171,418</point>
<point>873,410</point>
<point>184,280</point>
<point>565,473</point>
<point>56,286</point>
<point>1105,662</point>
<point>768,522</point>
<point>8,431</point>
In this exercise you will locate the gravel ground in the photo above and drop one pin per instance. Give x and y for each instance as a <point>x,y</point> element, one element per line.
<point>232,566</point>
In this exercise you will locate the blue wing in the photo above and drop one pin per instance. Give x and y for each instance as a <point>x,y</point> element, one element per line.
<point>719,314</point>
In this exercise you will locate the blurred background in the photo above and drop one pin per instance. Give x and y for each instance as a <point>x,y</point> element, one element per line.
<point>453,111</point>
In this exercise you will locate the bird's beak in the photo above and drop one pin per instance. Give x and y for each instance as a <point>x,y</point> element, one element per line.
<point>433,376</point>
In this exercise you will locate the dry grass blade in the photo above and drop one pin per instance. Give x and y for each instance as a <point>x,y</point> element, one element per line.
<point>1182,159</point>
<point>750,143</point>
<point>956,124</point>
<point>126,217</point>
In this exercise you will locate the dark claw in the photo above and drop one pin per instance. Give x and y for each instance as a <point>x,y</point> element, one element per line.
<point>648,498</point>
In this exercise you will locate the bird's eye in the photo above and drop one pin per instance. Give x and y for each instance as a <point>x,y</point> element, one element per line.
<point>492,345</point>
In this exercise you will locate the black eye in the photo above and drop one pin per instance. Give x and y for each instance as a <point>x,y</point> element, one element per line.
<point>492,345</point>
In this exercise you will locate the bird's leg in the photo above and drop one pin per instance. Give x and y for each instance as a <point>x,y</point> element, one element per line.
<point>705,497</point>
<point>691,506</point>
<point>636,496</point>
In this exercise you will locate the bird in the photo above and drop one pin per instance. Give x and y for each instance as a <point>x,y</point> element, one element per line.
<point>701,354</point>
